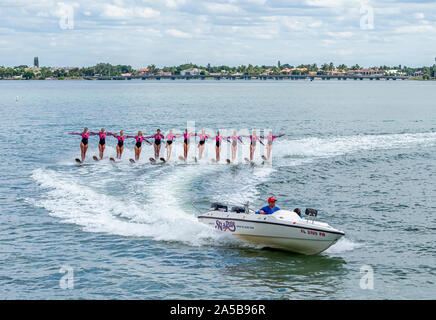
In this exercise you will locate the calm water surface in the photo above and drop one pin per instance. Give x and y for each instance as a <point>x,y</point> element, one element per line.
<point>362,152</point>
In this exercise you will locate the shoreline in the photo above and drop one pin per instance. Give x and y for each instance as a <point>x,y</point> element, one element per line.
<point>248,78</point>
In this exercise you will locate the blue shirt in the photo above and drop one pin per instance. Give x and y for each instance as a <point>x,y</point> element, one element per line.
<point>268,210</point>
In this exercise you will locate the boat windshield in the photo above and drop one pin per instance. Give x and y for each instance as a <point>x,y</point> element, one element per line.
<point>218,207</point>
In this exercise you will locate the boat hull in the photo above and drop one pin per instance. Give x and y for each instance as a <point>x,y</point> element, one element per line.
<point>267,231</point>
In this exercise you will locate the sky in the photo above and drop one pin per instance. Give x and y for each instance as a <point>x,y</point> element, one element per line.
<point>220,32</point>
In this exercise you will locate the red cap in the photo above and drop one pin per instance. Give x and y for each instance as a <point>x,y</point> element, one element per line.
<point>271,199</point>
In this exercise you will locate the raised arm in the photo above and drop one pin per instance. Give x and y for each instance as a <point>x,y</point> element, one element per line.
<point>75,133</point>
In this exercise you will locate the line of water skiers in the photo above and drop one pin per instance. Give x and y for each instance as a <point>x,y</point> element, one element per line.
<point>170,138</point>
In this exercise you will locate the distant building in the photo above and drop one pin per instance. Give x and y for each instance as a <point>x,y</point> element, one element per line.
<point>304,69</point>
<point>126,74</point>
<point>366,72</point>
<point>164,73</point>
<point>393,71</point>
<point>36,62</point>
<point>143,72</point>
<point>372,72</point>
<point>286,71</point>
<point>190,72</point>
<point>336,72</point>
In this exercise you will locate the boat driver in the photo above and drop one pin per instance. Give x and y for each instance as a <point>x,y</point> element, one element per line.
<point>270,208</point>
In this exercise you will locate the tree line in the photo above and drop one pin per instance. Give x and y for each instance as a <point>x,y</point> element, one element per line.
<point>106,69</point>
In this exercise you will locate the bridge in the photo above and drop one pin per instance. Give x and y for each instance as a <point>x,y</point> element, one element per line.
<point>249,77</point>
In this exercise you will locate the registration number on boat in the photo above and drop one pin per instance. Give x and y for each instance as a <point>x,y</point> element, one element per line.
<point>313,233</point>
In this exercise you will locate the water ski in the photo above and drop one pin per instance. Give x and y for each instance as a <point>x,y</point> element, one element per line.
<point>112,159</point>
<point>264,158</point>
<point>78,160</point>
<point>181,158</point>
<point>131,160</point>
<point>195,159</point>
<point>228,161</point>
<point>162,159</point>
<point>95,158</point>
<point>213,160</point>
<point>247,160</point>
<point>152,160</point>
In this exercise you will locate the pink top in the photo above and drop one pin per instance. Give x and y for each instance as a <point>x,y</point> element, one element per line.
<point>139,139</point>
<point>120,138</point>
<point>187,136</point>
<point>170,137</point>
<point>218,138</point>
<point>252,138</point>
<point>235,138</point>
<point>85,135</point>
<point>102,135</point>
<point>158,136</point>
<point>203,136</point>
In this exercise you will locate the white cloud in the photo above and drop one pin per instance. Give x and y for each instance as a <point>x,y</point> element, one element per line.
<point>341,34</point>
<point>418,15</point>
<point>332,3</point>
<point>414,29</point>
<point>315,24</point>
<point>234,28</point>
<point>221,8</point>
<point>174,4</point>
<point>118,12</point>
<point>329,41</point>
<point>178,34</point>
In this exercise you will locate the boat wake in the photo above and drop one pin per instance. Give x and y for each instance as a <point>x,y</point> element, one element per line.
<point>336,146</point>
<point>343,245</point>
<point>77,203</point>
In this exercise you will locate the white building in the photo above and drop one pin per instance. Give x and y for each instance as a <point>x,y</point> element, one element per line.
<point>190,72</point>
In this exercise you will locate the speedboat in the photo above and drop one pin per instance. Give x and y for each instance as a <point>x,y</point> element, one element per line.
<point>283,229</point>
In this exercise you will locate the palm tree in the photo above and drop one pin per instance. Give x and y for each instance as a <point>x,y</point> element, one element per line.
<point>342,67</point>
<point>152,68</point>
<point>355,67</point>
